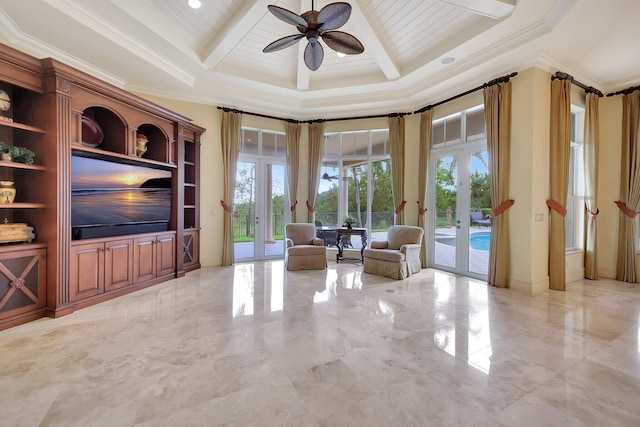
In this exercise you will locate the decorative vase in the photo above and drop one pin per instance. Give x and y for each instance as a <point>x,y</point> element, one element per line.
<point>349,226</point>
<point>141,144</point>
<point>7,192</point>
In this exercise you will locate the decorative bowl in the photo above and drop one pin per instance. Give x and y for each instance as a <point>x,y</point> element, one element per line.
<point>91,132</point>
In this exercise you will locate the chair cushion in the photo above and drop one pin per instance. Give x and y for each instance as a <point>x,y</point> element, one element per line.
<point>399,235</point>
<point>301,233</point>
<point>379,244</point>
<point>300,250</point>
<point>384,255</point>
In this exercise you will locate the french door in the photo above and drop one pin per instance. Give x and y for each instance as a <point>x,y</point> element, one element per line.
<point>259,209</point>
<point>459,230</point>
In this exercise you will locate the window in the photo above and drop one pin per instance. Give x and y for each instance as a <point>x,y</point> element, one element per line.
<point>356,181</point>
<point>261,142</point>
<point>574,221</point>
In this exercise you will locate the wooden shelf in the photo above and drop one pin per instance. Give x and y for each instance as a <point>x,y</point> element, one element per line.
<point>22,206</point>
<point>17,125</point>
<point>14,165</point>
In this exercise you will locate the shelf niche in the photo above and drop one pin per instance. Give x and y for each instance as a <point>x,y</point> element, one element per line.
<point>157,146</point>
<point>113,129</point>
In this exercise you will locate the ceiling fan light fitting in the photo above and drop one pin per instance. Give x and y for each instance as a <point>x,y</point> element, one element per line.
<point>313,36</point>
<point>195,4</point>
<point>315,26</point>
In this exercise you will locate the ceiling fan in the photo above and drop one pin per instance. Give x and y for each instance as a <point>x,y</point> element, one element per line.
<point>332,177</point>
<point>314,26</point>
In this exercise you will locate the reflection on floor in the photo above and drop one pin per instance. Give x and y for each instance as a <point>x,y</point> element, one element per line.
<point>254,344</point>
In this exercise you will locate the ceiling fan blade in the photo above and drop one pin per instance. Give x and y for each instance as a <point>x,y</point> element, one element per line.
<point>334,15</point>
<point>342,42</point>
<point>313,56</point>
<point>282,43</point>
<point>287,16</point>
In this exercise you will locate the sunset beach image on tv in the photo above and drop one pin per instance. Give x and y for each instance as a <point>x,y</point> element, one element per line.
<point>105,193</point>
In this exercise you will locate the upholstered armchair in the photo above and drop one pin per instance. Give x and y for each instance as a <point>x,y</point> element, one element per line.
<point>398,257</point>
<point>304,250</point>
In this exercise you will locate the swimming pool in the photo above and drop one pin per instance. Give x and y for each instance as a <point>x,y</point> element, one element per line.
<point>478,241</point>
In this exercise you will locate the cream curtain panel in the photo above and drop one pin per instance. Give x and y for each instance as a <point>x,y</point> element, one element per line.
<point>396,141</point>
<point>293,165</point>
<point>629,202</point>
<point>560,140</point>
<point>591,152</point>
<point>426,134</point>
<point>316,146</point>
<point>230,136</point>
<point>497,113</point>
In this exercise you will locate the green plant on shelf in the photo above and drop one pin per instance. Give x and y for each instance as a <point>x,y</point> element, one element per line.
<point>22,155</point>
<point>4,148</point>
<point>18,154</point>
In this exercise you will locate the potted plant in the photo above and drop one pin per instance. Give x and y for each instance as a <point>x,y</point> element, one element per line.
<point>349,221</point>
<point>22,155</point>
<point>5,150</point>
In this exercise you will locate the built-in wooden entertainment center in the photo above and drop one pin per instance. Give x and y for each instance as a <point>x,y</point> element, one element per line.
<point>53,274</point>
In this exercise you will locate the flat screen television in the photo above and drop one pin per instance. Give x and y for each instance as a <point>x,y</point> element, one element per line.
<point>110,198</point>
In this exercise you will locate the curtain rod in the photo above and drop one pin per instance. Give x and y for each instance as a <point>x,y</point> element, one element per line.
<point>233,110</point>
<point>502,79</point>
<point>626,91</point>
<point>564,76</point>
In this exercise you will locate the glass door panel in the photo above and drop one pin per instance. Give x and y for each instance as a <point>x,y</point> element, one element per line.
<point>445,229</point>
<point>479,207</point>
<point>259,214</point>
<point>274,202</point>
<point>461,229</point>
<point>244,213</point>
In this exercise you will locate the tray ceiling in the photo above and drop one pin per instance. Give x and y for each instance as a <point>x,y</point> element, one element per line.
<point>213,55</point>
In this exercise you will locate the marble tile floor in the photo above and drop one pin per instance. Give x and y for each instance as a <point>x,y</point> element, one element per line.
<point>253,344</point>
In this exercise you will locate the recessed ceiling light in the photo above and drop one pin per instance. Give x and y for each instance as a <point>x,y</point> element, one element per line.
<point>448,60</point>
<point>195,4</point>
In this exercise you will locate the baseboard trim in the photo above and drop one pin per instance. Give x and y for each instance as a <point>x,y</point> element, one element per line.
<point>572,276</point>
<point>530,288</point>
<point>607,273</point>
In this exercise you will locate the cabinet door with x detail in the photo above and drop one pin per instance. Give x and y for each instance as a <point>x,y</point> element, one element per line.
<point>22,283</point>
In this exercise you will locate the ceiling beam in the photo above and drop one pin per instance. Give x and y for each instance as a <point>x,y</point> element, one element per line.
<point>240,24</point>
<point>372,42</point>
<point>496,9</point>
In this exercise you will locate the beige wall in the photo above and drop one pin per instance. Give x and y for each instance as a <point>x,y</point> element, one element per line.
<point>529,174</point>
